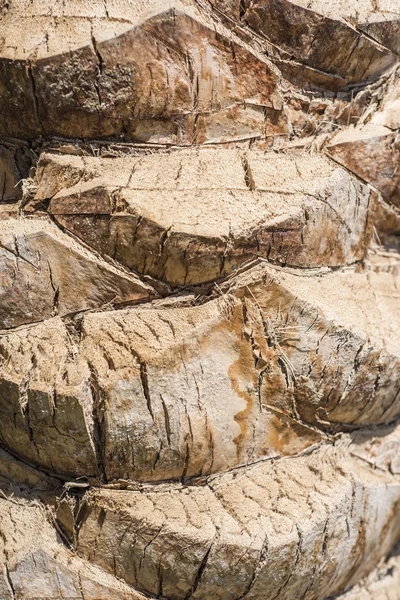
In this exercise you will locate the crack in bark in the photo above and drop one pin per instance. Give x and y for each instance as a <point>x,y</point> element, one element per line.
<point>248,175</point>
<point>56,290</point>
<point>166,420</point>
<point>262,561</point>
<point>200,573</point>
<point>145,385</point>
<point>98,422</point>
<point>35,96</point>
<point>99,69</point>
<point>9,581</point>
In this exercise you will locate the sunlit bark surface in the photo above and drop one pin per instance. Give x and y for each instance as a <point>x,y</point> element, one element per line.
<point>199,299</point>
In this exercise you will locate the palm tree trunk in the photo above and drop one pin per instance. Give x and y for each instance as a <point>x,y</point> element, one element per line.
<point>199,300</point>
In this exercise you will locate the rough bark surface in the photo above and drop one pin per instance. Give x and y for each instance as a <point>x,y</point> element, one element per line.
<point>199,300</point>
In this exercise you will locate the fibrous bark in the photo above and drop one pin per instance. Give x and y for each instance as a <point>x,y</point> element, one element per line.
<point>199,300</point>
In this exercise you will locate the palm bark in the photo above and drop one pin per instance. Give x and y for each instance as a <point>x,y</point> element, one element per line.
<point>199,300</point>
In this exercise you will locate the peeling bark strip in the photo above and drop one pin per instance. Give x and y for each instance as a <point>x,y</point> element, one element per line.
<point>371,152</point>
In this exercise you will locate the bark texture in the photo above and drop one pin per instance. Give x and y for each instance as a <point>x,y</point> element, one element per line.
<point>199,300</point>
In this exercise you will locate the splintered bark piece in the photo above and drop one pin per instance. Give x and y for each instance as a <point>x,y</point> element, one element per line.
<point>372,151</point>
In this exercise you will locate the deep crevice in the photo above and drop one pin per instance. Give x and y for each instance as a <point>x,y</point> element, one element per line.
<point>98,434</point>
